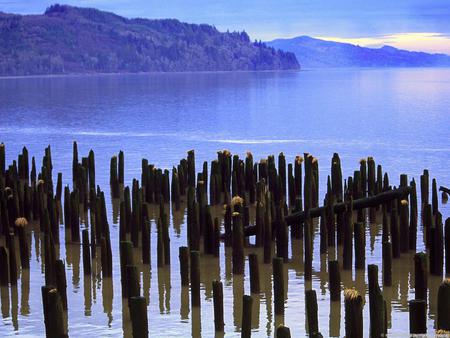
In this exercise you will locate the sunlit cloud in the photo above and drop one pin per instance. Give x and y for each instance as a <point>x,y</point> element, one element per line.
<point>426,42</point>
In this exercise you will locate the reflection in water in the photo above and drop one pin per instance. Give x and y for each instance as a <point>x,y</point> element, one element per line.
<point>238,293</point>
<point>196,322</point>
<point>184,308</point>
<point>5,301</point>
<point>15,307</point>
<point>107,297</point>
<point>164,289</point>
<point>25,292</point>
<point>87,286</point>
<point>335,319</point>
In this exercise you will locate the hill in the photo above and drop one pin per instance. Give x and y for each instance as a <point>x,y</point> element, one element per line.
<point>69,39</point>
<point>313,53</point>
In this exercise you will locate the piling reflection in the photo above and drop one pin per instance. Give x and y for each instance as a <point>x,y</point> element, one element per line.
<point>25,292</point>
<point>164,289</point>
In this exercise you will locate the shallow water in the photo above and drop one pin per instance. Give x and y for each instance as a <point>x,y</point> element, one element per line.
<point>398,116</point>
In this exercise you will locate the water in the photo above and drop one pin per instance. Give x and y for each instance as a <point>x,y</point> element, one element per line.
<point>398,116</point>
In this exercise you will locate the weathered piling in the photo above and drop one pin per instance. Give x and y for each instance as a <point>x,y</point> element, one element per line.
<point>139,318</point>
<point>387,263</point>
<point>377,304</point>
<point>195,278</point>
<point>311,311</point>
<point>238,244</point>
<point>21,224</point>
<point>146,242</point>
<point>278,285</point>
<point>218,306</point>
<point>404,226</point>
<point>61,282</point>
<point>4,269</point>
<point>447,246</point>
<point>53,312</point>
<point>360,246</point>
<point>420,276</point>
<point>247,302</point>
<point>334,280</point>
<point>417,316</point>
<point>183,255</point>
<point>254,273</point>
<point>443,306</point>
<point>86,252</point>
<point>133,281</point>
<point>353,314</point>
<point>283,332</point>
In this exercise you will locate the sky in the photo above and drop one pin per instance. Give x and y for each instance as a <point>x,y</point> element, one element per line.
<point>409,24</point>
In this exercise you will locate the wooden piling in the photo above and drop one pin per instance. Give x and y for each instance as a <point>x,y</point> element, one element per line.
<point>387,263</point>
<point>334,280</point>
<point>311,312</point>
<point>353,314</point>
<point>238,245</point>
<point>254,273</point>
<point>4,266</point>
<point>447,246</point>
<point>417,316</point>
<point>443,306</point>
<point>53,312</point>
<point>184,265</point>
<point>278,285</point>
<point>218,306</point>
<point>247,302</point>
<point>360,246</point>
<point>86,252</point>
<point>283,332</point>
<point>139,318</point>
<point>377,304</point>
<point>420,276</point>
<point>195,278</point>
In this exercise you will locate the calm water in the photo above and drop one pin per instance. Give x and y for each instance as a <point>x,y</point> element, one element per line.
<point>400,117</point>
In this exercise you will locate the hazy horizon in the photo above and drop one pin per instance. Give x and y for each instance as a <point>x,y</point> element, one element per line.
<point>410,25</point>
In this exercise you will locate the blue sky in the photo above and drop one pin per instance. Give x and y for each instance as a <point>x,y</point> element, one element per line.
<point>409,24</point>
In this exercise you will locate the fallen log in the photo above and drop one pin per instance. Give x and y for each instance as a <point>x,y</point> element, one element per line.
<point>361,203</point>
<point>444,189</point>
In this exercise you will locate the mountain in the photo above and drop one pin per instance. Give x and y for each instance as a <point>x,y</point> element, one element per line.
<point>313,53</point>
<point>68,39</point>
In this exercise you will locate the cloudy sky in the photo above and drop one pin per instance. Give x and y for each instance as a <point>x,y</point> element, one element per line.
<point>409,24</point>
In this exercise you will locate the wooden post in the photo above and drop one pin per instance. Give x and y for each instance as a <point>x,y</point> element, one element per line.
<point>184,265</point>
<point>420,276</point>
<point>311,312</point>
<point>139,318</point>
<point>417,316</point>
<point>353,314</point>
<point>53,312</point>
<point>86,252</point>
<point>447,246</point>
<point>218,306</point>
<point>61,282</point>
<point>334,280</point>
<point>387,264</point>
<point>377,304</point>
<point>254,273</point>
<point>21,223</point>
<point>283,332</point>
<point>404,226</point>
<point>360,246</point>
<point>443,306</point>
<point>247,302</point>
<point>4,269</point>
<point>278,285</point>
<point>195,279</point>
<point>238,245</point>
<point>133,281</point>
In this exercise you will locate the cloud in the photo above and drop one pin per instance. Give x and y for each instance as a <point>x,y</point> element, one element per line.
<point>431,42</point>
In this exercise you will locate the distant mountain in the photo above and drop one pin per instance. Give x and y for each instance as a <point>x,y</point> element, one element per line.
<point>68,39</point>
<point>313,53</point>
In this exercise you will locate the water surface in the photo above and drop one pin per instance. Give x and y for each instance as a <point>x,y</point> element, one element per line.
<point>399,116</point>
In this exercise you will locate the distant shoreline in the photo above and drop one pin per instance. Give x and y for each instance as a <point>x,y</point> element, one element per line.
<point>148,73</point>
